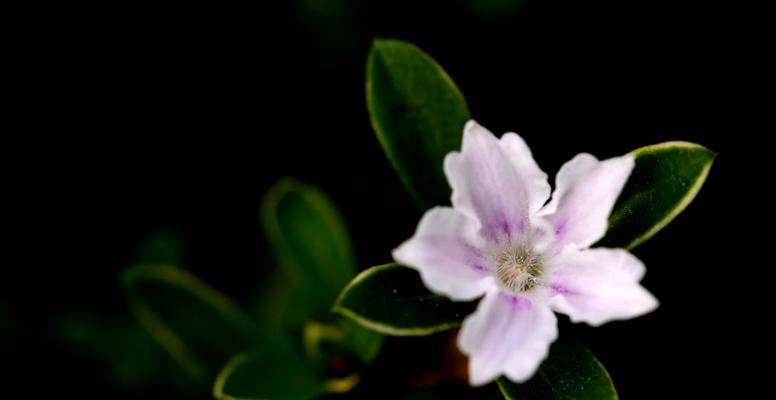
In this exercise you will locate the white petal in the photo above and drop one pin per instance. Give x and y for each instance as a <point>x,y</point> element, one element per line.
<point>598,285</point>
<point>445,250</point>
<point>585,192</point>
<point>534,178</point>
<point>507,335</point>
<point>567,176</point>
<point>487,185</point>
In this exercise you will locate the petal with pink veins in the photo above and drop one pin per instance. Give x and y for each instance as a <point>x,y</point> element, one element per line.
<point>598,285</point>
<point>507,335</point>
<point>534,178</point>
<point>446,251</point>
<point>585,192</point>
<point>489,184</point>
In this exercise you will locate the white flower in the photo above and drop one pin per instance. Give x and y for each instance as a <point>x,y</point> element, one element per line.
<point>526,257</point>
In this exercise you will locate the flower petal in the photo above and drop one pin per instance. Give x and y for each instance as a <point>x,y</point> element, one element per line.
<point>534,178</point>
<point>585,192</point>
<point>445,250</point>
<point>507,335</point>
<point>598,285</point>
<point>487,185</point>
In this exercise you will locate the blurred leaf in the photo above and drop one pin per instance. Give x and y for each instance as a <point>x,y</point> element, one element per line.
<point>318,337</point>
<point>197,325</point>
<point>278,303</point>
<point>311,244</point>
<point>361,342</point>
<point>272,372</point>
<point>417,113</point>
<point>279,369</point>
<point>392,299</point>
<point>162,246</point>
<point>130,358</point>
<point>130,355</point>
<point>665,180</point>
<point>570,372</point>
<point>313,249</point>
<point>325,342</point>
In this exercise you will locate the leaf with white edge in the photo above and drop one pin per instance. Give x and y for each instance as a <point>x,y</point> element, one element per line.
<point>391,299</point>
<point>571,371</point>
<point>272,372</point>
<point>665,180</point>
<point>418,114</point>
<point>311,245</point>
<point>198,326</point>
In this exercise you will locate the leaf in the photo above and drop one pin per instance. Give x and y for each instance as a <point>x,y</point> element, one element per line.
<point>130,361</point>
<point>311,245</point>
<point>418,114</point>
<point>325,342</point>
<point>272,372</point>
<point>128,355</point>
<point>570,372</point>
<point>198,326</point>
<point>665,180</point>
<point>361,342</point>
<point>392,299</point>
<point>278,370</point>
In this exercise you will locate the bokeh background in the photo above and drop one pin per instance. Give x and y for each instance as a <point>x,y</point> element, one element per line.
<point>175,120</point>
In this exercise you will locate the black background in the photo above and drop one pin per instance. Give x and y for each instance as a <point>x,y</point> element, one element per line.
<point>136,118</point>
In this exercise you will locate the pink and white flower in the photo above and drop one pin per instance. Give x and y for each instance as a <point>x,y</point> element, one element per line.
<point>526,257</point>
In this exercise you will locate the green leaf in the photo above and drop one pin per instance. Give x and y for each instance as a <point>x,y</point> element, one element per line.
<point>316,260</point>
<point>325,342</point>
<point>278,369</point>
<point>392,299</point>
<point>418,114</point>
<point>361,342</point>
<point>130,360</point>
<point>128,354</point>
<point>272,372</point>
<point>665,180</point>
<point>311,245</point>
<point>570,372</point>
<point>198,326</point>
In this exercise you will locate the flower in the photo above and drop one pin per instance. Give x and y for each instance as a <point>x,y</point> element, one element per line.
<point>527,256</point>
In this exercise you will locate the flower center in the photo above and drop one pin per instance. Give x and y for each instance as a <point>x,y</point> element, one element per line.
<point>518,268</point>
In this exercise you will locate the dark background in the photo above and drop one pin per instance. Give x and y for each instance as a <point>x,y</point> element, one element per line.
<point>139,118</point>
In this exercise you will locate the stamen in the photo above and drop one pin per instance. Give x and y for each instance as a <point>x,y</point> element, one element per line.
<point>518,268</point>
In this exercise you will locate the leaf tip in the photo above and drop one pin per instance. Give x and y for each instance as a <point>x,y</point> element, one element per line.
<point>675,144</point>
<point>380,42</point>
